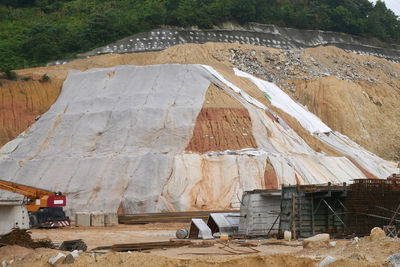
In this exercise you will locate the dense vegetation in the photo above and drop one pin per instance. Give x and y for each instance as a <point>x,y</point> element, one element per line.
<point>33,32</point>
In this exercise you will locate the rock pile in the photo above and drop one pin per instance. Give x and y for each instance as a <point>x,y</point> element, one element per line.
<point>284,65</point>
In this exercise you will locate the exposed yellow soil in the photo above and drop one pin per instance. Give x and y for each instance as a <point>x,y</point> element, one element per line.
<point>368,113</point>
<point>21,102</point>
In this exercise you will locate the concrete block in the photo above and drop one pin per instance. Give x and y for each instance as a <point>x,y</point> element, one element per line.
<point>97,219</point>
<point>13,215</point>
<point>82,219</point>
<point>110,219</point>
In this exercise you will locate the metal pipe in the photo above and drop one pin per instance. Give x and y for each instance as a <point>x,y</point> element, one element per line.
<point>333,212</point>
<point>380,217</point>
<point>270,229</point>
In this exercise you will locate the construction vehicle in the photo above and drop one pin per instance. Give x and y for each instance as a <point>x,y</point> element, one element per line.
<point>45,208</point>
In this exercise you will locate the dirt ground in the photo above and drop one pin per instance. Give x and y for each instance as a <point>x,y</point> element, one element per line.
<point>256,252</point>
<point>106,236</point>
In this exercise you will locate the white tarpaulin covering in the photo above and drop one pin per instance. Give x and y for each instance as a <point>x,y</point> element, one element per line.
<point>369,161</point>
<point>111,136</point>
<point>282,101</point>
<point>118,135</point>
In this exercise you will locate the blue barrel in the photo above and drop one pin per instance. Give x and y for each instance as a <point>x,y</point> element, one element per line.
<point>182,233</point>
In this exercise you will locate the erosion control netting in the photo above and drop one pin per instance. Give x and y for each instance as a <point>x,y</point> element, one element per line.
<point>22,237</point>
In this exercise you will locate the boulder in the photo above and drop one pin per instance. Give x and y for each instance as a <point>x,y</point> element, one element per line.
<point>69,259</point>
<point>57,259</point>
<point>377,234</point>
<point>317,241</point>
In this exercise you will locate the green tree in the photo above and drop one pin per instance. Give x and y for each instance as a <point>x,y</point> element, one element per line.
<point>243,10</point>
<point>101,28</point>
<point>341,17</point>
<point>42,43</point>
<point>36,31</point>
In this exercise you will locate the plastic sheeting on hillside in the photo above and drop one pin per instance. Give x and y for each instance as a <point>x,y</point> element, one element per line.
<point>210,181</point>
<point>369,161</point>
<point>236,89</point>
<point>111,135</point>
<point>218,179</point>
<point>118,135</point>
<point>282,101</point>
<point>280,138</point>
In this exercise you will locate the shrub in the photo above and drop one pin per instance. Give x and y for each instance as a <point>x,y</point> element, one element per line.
<point>10,75</point>
<point>44,78</point>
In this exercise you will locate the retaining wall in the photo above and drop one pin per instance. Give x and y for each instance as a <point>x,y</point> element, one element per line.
<point>255,34</point>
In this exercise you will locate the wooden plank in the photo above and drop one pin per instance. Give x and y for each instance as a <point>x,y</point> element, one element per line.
<point>186,216</point>
<point>294,214</point>
<point>149,245</point>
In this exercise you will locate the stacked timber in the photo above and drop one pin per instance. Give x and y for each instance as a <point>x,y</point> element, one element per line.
<point>185,216</point>
<point>149,245</point>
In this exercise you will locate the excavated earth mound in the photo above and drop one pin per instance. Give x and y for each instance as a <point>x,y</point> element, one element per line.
<point>22,237</point>
<point>357,95</point>
<point>21,102</point>
<point>177,137</point>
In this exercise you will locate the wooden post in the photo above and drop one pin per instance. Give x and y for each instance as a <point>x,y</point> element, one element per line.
<point>312,214</point>
<point>294,215</point>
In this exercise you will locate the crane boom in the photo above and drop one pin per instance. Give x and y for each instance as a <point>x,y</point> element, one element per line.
<point>44,207</point>
<point>28,191</point>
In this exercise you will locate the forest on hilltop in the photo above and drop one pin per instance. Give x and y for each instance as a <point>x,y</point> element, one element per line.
<point>35,32</point>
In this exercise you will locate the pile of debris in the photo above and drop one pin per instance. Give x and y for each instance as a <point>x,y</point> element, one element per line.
<point>22,237</point>
<point>282,66</point>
